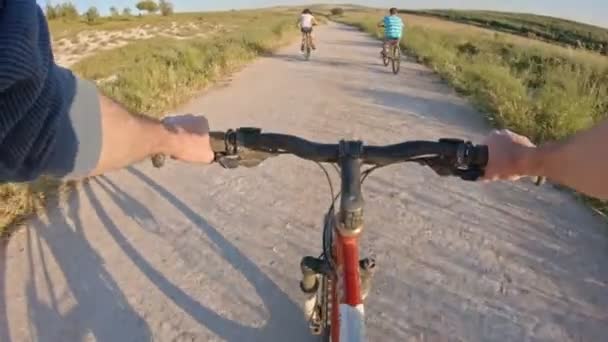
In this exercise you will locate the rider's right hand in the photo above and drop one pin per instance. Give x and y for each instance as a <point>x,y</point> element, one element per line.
<point>190,138</point>
<point>510,156</point>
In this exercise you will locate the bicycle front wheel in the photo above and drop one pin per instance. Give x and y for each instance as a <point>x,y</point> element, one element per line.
<point>385,60</point>
<point>396,59</point>
<point>307,49</point>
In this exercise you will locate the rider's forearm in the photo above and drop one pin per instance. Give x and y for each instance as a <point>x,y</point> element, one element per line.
<point>580,162</point>
<point>128,138</point>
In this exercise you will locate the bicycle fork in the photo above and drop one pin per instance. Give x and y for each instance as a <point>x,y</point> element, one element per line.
<point>315,284</point>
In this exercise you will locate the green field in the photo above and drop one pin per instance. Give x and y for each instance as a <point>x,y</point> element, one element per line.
<point>534,88</point>
<point>551,29</point>
<point>152,76</point>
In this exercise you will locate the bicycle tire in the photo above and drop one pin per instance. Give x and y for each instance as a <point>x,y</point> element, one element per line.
<point>396,59</point>
<point>307,47</point>
<point>385,60</point>
<point>326,335</point>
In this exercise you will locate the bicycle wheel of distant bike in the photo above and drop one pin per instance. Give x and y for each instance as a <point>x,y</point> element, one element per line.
<point>396,59</point>
<point>307,47</point>
<point>385,59</point>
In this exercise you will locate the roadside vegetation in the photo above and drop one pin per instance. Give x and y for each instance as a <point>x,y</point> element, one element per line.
<point>556,30</point>
<point>158,73</point>
<point>538,89</point>
<point>66,22</point>
<point>153,75</point>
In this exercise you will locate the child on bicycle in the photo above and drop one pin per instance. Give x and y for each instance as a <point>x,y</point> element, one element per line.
<point>306,22</point>
<point>393,29</point>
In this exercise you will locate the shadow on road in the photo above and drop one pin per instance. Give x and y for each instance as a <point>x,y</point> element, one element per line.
<point>321,61</point>
<point>285,316</point>
<point>100,308</point>
<point>358,43</point>
<point>433,107</point>
<point>4,326</point>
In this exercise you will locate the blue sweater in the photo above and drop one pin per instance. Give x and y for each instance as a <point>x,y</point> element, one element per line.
<point>50,122</point>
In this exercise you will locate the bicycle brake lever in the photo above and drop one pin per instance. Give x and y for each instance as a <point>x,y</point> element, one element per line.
<point>440,166</point>
<point>247,159</point>
<point>227,162</point>
<point>471,175</point>
<point>444,169</point>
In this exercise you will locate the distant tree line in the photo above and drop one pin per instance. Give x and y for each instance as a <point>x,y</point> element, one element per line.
<point>68,11</point>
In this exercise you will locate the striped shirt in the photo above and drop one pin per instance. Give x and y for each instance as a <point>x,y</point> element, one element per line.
<point>393,27</point>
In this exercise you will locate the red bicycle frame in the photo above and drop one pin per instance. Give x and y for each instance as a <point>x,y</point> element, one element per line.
<point>346,282</point>
<point>346,287</point>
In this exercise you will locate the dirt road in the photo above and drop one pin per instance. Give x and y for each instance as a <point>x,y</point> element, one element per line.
<point>203,254</point>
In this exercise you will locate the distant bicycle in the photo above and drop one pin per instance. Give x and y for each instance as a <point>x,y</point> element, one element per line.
<point>391,53</point>
<point>392,56</point>
<point>307,44</point>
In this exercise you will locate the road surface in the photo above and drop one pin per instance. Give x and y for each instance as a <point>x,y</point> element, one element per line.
<point>192,253</point>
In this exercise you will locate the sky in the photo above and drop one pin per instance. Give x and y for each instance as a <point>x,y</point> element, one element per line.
<point>589,11</point>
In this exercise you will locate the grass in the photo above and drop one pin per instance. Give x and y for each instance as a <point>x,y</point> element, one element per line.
<point>534,88</point>
<point>534,26</point>
<point>155,75</point>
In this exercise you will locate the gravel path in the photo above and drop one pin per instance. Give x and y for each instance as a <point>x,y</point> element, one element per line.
<point>203,254</point>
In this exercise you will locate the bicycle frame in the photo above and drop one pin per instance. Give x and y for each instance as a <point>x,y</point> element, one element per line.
<point>347,316</point>
<point>345,280</point>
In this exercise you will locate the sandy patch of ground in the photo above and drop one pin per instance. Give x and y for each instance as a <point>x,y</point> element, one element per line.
<point>69,51</point>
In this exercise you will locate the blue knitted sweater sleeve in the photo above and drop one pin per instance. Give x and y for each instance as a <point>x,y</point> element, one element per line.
<point>49,119</point>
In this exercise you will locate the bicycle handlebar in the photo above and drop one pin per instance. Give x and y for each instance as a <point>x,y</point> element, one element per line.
<point>249,147</point>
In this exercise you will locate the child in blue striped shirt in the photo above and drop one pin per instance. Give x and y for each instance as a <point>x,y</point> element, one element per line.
<point>393,28</point>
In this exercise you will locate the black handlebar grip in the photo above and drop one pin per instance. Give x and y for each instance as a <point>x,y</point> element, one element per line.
<point>481,156</point>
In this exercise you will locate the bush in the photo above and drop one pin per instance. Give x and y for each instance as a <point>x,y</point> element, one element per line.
<point>65,10</point>
<point>92,15</point>
<point>337,11</point>
<point>114,11</point>
<point>126,12</point>
<point>166,8</point>
<point>147,5</point>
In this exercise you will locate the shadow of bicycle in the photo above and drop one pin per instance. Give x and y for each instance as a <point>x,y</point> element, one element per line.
<point>99,306</point>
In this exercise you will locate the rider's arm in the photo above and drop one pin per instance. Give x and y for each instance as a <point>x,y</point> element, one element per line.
<point>56,124</point>
<point>128,138</point>
<point>314,21</point>
<point>580,162</point>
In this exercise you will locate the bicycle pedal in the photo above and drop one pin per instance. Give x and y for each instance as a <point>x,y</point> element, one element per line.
<point>316,328</point>
<point>367,264</point>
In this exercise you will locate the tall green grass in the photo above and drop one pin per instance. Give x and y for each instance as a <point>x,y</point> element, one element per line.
<point>155,75</point>
<point>542,91</point>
